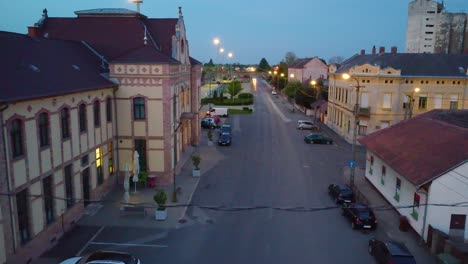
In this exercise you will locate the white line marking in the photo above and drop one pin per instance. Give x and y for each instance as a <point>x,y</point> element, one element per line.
<point>90,240</point>
<point>128,244</point>
<point>285,119</point>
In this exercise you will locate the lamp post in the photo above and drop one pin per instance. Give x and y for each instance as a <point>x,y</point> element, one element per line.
<point>276,76</point>
<point>230,57</point>
<point>313,83</point>
<point>409,109</point>
<point>138,3</point>
<point>356,122</point>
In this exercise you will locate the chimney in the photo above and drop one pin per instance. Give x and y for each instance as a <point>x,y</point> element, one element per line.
<point>363,52</point>
<point>394,50</point>
<point>381,50</point>
<point>33,32</point>
<point>373,50</point>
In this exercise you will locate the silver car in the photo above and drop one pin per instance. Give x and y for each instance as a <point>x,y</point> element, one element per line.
<point>304,124</point>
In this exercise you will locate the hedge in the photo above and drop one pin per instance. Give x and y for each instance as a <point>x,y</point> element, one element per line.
<point>245,95</point>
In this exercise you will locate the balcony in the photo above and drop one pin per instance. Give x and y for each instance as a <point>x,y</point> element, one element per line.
<point>364,111</point>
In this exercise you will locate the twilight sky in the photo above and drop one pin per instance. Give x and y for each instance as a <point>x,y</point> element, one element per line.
<point>253,29</point>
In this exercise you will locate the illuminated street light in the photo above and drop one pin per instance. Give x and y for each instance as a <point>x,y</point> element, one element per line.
<point>138,3</point>
<point>409,109</point>
<point>216,41</point>
<point>291,75</point>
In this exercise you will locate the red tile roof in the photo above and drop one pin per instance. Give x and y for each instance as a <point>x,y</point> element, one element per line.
<point>35,68</point>
<point>425,147</point>
<point>162,29</point>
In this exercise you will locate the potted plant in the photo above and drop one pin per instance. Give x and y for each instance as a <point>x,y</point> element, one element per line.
<point>196,163</point>
<point>161,212</point>
<point>210,138</point>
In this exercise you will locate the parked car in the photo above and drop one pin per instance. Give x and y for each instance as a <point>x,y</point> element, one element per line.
<point>304,124</point>
<point>317,139</point>
<point>341,193</point>
<point>219,111</point>
<point>273,92</point>
<point>225,129</point>
<point>224,139</point>
<point>360,215</point>
<point>109,257</point>
<point>390,252</point>
<point>208,123</point>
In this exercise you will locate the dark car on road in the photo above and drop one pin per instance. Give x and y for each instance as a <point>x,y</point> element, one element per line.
<point>390,252</point>
<point>360,215</point>
<point>208,123</point>
<point>224,139</point>
<point>225,129</point>
<point>108,257</point>
<point>317,139</point>
<point>341,193</point>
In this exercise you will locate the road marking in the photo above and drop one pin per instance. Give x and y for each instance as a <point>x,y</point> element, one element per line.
<point>128,244</point>
<point>90,240</point>
<point>188,202</point>
<point>285,119</point>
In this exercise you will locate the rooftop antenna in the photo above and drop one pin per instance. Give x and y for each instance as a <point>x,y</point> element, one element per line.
<point>138,3</point>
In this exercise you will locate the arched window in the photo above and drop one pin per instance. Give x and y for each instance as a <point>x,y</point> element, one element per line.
<point>44,129</point>
<point>82,117</point>
<point>139,108</point>
<point>109,110</point>
<point>97,113</point>
<point>65,118</point>
<point>16,137</point>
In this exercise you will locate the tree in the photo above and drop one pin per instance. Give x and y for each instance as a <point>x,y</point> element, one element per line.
<point>290,57</point>
<point>263,66</point>
<point>234,88</point>
<point>210,63</point>
<point>292,88</point>
<point>336,60</point>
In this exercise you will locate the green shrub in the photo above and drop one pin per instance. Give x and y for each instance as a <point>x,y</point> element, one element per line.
<point>196,161</point>
<point>160,198</point>
<point>245,95</point>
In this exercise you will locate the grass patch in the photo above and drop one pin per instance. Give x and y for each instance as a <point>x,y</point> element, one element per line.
<point>239,111</point>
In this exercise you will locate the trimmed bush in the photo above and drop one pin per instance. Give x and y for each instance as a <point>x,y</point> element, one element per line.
<point>245,95</point>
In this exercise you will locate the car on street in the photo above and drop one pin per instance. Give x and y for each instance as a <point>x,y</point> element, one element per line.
<point>304,124</point>
<point>225,129</point>
<point>341,193</point>
<point>108,257</point>
<point>208,123</point>
<point>314,138</point>
<point>273,92</point>
<point>224,139</point>
<point>360,215</point>
<point>390,252</point>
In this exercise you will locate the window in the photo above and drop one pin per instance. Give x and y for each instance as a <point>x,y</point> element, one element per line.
<point>65,119</point>
<point>140,147</point>
<point>397,190</point>
<point>84,161</point>
<point>437,101</point>
<point>416,201</point>
<point>387,101</point>
<point>422,104</point>
<point>97,113</point>
<point>69,186</point>
<point>16,137</point>
<point>139,108</point>
<point>22,207</point>
<point>109,110</point>
<point>48,199</point>
<point>454,102</point>
<point>82,117</point>
<point>384,171</point>
<point>364,100</point>
<point>110,157</point>
<point>384,124</point>
<point>44,129</point>
<point>371,162</point>
<point>100,176</point>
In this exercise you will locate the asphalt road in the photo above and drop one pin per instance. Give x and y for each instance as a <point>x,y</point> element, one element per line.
<point>267,165</point>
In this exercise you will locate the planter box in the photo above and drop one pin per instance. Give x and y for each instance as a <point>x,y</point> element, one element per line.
<point>160,215</point>
<point>196,173</point>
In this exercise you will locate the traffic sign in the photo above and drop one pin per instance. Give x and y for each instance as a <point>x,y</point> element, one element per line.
<point>351,164</point>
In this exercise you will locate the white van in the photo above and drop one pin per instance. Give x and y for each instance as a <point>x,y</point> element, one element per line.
<point>218,111</point>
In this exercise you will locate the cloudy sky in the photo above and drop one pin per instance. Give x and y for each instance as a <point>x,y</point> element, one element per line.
<point>255,29</point>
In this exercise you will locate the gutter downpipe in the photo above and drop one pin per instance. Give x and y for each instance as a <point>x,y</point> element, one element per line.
<point>423,229</point>
<point>116,136</point>
<point>8,179</point>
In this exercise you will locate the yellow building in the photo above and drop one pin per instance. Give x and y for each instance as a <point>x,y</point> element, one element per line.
<point>388,82</point>
<point>80,96</point>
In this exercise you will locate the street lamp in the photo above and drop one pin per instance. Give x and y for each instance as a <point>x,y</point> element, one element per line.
<point>409,109</point>
<point>313,83</point>
<point>356,122</point>
<point>276,76</point>
<point>230,57</point>
<point>138,3</point>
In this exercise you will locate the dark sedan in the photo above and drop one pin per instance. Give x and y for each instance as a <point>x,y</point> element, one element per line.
<point>224,139</point>
<point>341,193</point>
<point>390,252</point>
<point>317,139</point>
<point>360,216</point>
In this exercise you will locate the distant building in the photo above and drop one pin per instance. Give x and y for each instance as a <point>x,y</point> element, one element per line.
<point>388,82</point>
<point>307,69</point>
<point>431,30</point>
<point>79,96</point>
<point>422,161</point>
